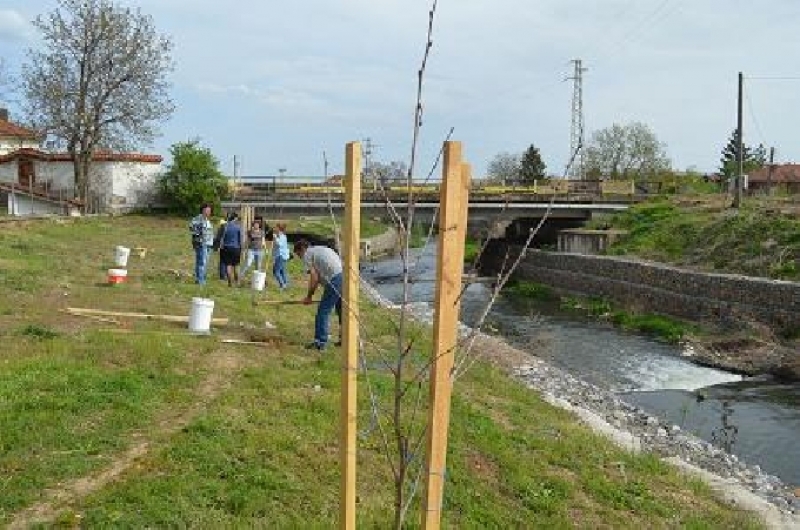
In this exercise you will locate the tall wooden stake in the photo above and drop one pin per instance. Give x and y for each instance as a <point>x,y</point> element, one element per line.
<point>449,270</point>
<point>350,289</point>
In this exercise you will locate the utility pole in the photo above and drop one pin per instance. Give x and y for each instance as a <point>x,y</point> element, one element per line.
<point>235,176</point>
<point>771,169</point>
<point>737,198</point>
<point>577,127</point>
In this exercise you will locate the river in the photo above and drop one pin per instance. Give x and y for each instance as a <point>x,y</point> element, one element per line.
<point>756,419</point>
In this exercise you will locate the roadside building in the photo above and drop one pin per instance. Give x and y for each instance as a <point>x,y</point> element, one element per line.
<point>785,178</point>
<point>34,180</point>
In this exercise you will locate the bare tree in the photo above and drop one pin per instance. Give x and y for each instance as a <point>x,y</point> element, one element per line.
<point>394,172</point>
<point>99,81</point>
<point>5,81</point>
<point>504,168</point>
<point>625,151</point>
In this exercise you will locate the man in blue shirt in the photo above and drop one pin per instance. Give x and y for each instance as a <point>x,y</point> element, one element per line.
<point>230,249</point>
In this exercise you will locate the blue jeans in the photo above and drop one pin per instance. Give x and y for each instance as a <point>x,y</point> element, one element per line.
<point>331,299</point>
<point>252,255</point>
<point>200,262</point>
<point>223,270</point>
<point>279,271</point>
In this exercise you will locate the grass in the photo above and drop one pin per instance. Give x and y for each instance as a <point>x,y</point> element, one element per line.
<point>761,239</point>
<point>663,327</point>
<point>139,424</point>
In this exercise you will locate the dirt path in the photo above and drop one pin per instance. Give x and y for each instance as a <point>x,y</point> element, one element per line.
<point>222,366</point>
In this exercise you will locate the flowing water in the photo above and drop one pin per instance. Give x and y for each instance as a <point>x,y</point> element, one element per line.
<point>756,419</point>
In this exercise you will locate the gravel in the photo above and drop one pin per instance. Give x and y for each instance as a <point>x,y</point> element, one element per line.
<point>658,437</point>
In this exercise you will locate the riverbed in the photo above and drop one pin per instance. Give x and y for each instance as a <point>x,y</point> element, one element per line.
<point>757,420</point>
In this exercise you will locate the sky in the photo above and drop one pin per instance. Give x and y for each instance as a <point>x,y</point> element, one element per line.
<point>280,85</point>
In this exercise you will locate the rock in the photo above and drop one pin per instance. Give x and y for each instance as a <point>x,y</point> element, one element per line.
<point>797,492</point>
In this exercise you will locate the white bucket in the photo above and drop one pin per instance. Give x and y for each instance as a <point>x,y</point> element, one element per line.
<point>259,280</point>
<point>200,315</point>
<point>121,256</point>
<point>116,276</point>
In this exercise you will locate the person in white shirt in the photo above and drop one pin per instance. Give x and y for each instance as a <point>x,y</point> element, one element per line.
<point>324,266</point>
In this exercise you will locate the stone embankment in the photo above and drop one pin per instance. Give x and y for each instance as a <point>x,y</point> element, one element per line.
<point>738,306</point>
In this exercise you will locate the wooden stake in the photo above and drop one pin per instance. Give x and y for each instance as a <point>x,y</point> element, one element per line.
<point>350,289</point>
<point>168,318</point>
<point>449,269</point>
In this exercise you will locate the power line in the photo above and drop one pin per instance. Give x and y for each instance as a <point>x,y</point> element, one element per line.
<point>752,113</point>
<point>773,78</point>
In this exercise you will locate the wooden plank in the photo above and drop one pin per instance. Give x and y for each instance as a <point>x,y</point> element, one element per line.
<point>121,314</point>
<point>449,269</point>
<point>350,290</point>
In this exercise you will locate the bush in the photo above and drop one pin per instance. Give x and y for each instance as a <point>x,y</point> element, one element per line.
<point>193,179</point>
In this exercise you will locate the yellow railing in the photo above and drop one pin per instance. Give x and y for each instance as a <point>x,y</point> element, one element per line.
<point>547,187</point>
<point>617,187</point>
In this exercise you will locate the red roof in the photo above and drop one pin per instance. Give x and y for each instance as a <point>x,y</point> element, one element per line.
<point>782,173</point>
<point>8,129</point>
<point>103,156</point>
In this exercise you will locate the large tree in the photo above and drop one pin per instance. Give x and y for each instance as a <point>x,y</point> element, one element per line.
<point>754,158</point>
<point>504,168</point>
<point>99,80</point>
<point>532,167</point>
<point>388,173</point>
<point>5,81</point>
<point>625,151</point>
<point>193,178</point>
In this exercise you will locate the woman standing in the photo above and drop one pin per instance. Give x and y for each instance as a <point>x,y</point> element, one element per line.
<point>230,251</point>
<point>255,248</point>
<point>281,255</point>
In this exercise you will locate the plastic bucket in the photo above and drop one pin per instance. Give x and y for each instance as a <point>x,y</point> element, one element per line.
<point>259,280</point>
<point>121,255</point>
<point>116,276</point>
<point>200,315</point>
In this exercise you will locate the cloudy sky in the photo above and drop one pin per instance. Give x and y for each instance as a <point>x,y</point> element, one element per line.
<point>278,83</point>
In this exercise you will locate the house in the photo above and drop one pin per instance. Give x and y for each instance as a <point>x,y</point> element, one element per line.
<point>784,178</point>
<point>41,181</point>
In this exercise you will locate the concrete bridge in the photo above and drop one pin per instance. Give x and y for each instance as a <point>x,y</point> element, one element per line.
<point>492,219</point>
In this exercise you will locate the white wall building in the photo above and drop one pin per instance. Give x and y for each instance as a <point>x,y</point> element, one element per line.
<point>120,181</point>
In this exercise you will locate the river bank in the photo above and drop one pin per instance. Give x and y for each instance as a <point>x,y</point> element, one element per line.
<point>634,429</point>
<point>752,352</point>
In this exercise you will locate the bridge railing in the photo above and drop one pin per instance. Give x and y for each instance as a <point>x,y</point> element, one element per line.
<point>542,188</point>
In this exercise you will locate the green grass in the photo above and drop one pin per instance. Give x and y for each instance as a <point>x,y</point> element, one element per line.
<point>761,239</point>
<point>665,328</point>
<point>246,436</point>
<point>524,290</point>
<point>471,250</point>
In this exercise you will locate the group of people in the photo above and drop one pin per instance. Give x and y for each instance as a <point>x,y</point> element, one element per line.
<point>228,241</point>
<point>321,263</point>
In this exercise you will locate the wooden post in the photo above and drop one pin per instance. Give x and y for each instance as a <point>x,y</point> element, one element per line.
<point>350,290</point>
<point>449,270</point>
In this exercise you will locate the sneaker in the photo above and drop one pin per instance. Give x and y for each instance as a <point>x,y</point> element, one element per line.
<point>314,345</point>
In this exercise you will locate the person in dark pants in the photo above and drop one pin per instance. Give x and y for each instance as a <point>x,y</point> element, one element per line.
<point>230,249</point>
<point>217,241</point>
<point>324,266</point>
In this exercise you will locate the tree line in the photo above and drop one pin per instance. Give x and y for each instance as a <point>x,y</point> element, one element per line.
<point>621,151</point>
